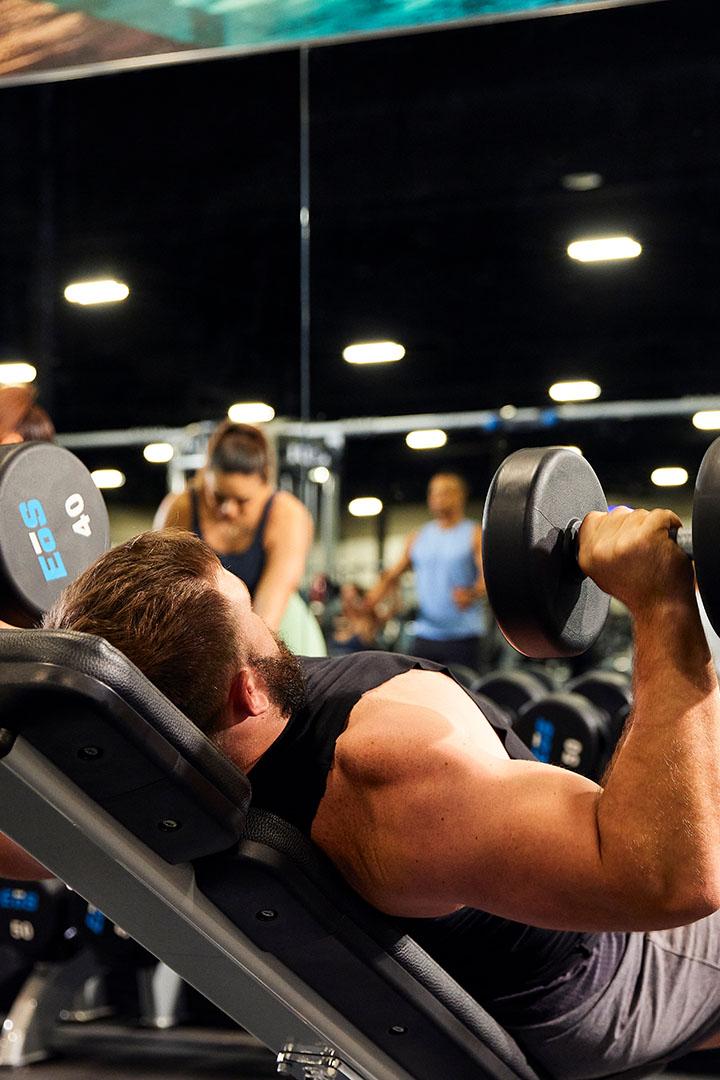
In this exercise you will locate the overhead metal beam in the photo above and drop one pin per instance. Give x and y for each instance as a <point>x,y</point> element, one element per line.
<point>366,426</point>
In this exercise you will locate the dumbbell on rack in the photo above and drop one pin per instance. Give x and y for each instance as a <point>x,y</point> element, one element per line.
<point>512,690</point>
<point>578,727</point>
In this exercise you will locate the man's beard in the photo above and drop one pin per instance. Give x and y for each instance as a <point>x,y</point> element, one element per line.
<point>284,678</point>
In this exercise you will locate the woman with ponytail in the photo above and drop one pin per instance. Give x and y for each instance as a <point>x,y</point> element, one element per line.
<point>260,534</point>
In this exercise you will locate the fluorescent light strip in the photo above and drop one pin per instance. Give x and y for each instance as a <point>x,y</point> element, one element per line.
<point>669,476</point>
<point>106,291</point>
<point>374,352</point>
<point>604,249</point>
<point>17,373</point>
<point>426,439</point>
<point>251,412</point>
<point>108,478</point>
<point>707,420</point>
<point>579,390</point>
<point>367,506</point>
<point>159,453</point>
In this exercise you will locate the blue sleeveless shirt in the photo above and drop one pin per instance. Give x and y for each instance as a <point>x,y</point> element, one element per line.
<point>443,559</point>
<point>249,564</point>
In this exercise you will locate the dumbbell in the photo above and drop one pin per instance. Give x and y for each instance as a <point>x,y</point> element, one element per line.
<point>38,919</point>
<point>512,690</point>
<point>578,727</point>
<point>565,728</point>
<point>610,691</point>
<point>543,603</point>
<point>53,524</point>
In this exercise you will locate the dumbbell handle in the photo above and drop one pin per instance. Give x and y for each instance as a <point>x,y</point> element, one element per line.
<point>681,536</point>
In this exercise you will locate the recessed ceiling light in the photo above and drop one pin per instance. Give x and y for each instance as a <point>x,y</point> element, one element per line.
<point>319,475</point>
<point>106,291</point>
<point>367,506</point>
<point>108,478</point>
<point>250,412</point>
<point>604,249</point>
<point>578,390</point>
<point>581,181</point>
<point>707,420</point>
<point>158,453</point>
<point>669,476</point>
<point>17,373</point>
<point>426,439</point>
<point>374,352</point>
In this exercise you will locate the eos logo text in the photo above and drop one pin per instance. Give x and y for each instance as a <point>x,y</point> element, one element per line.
<point>42,540</point>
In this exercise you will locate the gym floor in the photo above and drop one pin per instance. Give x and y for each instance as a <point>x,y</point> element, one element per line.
<point>140,1069</point>
<point>128,1066</point>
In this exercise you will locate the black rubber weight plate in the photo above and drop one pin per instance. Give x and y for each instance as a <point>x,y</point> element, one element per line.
<point>543,604</point>
<point>706,533</point>
<point>53,524</point>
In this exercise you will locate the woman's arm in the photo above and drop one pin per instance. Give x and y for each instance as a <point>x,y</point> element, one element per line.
<point>174,511</point>
<point>288,538</point>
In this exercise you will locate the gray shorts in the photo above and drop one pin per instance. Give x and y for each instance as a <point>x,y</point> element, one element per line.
<point>663,999</point>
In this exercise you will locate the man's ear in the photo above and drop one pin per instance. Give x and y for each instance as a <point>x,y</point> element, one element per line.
<point>248,694</point>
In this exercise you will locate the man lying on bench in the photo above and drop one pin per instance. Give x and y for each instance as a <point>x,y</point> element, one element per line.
<point>550,899</point>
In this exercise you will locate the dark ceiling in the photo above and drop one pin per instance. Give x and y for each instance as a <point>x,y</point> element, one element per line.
<point>438,219</point>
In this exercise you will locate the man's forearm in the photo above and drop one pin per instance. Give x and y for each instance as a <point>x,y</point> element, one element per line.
<point>659,815</point>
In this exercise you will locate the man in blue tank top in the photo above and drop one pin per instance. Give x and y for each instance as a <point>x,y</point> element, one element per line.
<point>446,558</point>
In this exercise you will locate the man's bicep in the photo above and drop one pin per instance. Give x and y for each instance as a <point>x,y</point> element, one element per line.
<point>515,838</point>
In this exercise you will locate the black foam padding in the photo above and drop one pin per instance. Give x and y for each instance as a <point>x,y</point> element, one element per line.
<point>544,605</point>
<point>289,899</point>
<point>91,712</point>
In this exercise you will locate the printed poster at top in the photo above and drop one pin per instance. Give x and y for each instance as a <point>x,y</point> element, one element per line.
<point>37,36</point>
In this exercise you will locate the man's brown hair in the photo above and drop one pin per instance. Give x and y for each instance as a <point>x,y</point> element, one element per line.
<point>155,599</point>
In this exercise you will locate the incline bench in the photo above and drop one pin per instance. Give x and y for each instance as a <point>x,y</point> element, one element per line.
<point>113,789</point>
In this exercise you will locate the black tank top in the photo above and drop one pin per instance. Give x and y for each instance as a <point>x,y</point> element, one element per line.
<point>249,564</point>
<point>513,967</point>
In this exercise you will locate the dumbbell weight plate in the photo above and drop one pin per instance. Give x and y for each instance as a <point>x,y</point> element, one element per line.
<point>511,690</point>
<point>706,532</point>
<point>565,729</point>
<point>543,603</point>
<point>54,523</point>
<point>36,918</point>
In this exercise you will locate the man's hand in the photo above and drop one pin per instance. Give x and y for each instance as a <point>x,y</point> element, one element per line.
<point>630,555</point>
<point>464,596</point>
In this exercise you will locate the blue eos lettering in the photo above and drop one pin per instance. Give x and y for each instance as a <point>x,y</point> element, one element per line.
<point>42,540</point>
<point>32,513</point>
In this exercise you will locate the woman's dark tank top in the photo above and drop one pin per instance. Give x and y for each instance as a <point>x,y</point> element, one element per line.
<point>249,564</point>
<point>517,971</point>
